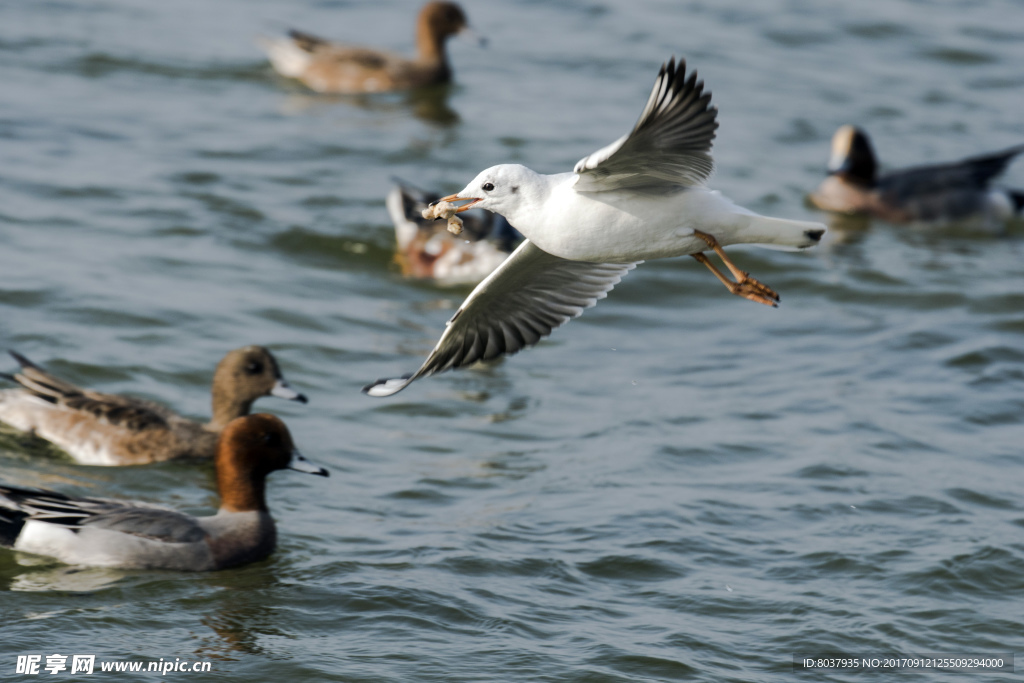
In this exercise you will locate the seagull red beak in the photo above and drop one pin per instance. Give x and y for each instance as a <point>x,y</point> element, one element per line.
<point>457,198</point>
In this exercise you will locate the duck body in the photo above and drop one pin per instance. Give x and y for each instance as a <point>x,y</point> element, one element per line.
<point>104,430</point>
<point>938,193</point>
<point>328,67</point>
<point>96,428</point>
<point>133,535</point>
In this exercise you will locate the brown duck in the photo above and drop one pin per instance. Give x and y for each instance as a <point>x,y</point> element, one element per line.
<point>111,429</point>
<point>328,67</point>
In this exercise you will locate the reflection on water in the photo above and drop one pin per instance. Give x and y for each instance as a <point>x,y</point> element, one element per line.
<point>846,229</point>
<point>40,574</point>
<point>427,104</point>
<point>238,624</point>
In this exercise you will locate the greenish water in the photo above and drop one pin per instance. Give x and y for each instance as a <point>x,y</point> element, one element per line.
<point>680,485</point>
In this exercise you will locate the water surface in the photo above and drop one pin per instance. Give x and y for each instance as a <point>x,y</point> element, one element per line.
<point>680,485</point>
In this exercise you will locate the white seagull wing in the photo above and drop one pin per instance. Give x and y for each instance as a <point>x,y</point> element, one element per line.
<point>670,145</point>
<point>521,302</point>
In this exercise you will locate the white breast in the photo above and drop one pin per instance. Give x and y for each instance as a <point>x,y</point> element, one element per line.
<point>617,227</point>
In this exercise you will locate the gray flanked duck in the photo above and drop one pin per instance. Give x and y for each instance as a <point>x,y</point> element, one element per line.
<point>131,535</point>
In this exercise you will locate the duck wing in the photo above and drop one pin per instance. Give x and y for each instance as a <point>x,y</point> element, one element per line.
<point>120,411</point>
<point>336,52</point>
<point>970,174</point>
<point>18,505</point>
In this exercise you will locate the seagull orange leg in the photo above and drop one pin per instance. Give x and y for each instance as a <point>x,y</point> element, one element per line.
<point>744,286</point>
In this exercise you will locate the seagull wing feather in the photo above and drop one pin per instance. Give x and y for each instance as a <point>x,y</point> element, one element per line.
<point>521,302</point>
<point>670,145</point>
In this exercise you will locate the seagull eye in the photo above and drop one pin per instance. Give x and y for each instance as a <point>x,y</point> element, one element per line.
<point>488,187</point>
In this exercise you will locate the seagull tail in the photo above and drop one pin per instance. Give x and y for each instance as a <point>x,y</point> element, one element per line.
<point>388,387</point>
<point>781,232</point>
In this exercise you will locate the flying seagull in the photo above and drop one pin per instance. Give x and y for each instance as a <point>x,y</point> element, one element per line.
<point>641,197</point>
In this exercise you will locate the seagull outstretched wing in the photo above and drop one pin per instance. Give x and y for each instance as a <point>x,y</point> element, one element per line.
<point>670,145</point>
<point>521,302</point>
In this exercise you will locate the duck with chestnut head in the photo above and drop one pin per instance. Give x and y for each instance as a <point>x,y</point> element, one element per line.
<point>132,535</point>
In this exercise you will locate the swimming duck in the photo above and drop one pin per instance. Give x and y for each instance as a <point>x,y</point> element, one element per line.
<point>132,535</point>
<point>937,193</point>
<point>110,429</point>
<point>427,250</point>
<point>328,67</point>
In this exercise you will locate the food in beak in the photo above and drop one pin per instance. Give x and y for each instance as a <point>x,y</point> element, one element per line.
<point>445,209</point>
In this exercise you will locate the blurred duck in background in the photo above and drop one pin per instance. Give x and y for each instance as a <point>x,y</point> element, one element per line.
<point>110,533</point>
<point>426,249</point>
<point>111,429</point>
<point>939,193</point>
<point>328,67</point>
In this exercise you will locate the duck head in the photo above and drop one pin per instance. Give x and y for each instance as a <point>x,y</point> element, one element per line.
<point>852,157</point>
<point>250,448</point>
<point>243,376</point>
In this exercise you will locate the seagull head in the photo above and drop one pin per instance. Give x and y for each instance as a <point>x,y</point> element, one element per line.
<point>500,189</point>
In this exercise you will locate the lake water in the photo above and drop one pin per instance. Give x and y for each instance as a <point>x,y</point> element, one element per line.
<point>680,485</point>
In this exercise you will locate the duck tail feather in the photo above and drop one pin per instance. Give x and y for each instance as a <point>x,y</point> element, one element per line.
<point>1017,197</point>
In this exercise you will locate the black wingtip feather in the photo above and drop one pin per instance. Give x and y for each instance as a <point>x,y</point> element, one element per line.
<point>21,360</point>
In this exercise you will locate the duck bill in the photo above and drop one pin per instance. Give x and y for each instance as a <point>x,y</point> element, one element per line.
<point>452,198</point>
<point>282,389</point>
<point>300,464</point>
